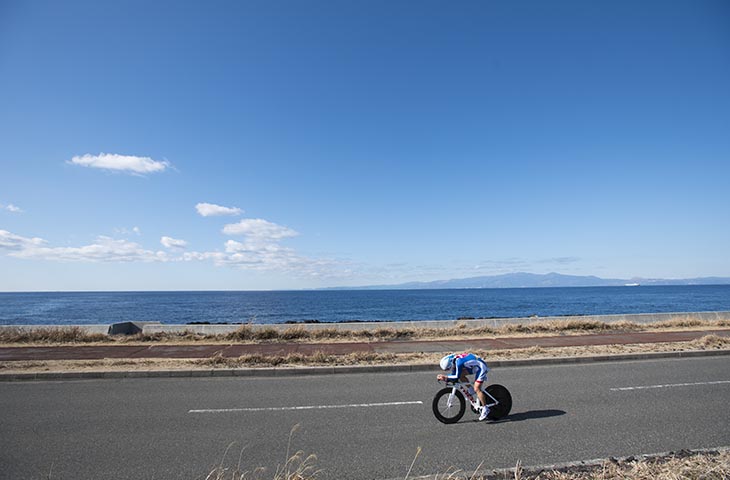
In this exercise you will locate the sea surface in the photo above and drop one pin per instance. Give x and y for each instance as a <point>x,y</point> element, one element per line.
<point>80,308</point>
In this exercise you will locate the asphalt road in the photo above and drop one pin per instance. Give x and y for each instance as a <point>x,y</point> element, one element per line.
<point>180,428</point>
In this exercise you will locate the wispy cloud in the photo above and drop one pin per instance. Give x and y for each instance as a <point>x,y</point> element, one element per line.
<point>173,243</point>
<point>502,265</point>
<point>513,264</point>
<point>259,229</point>
<point>11,208</point>
<point>261,256</point>
<point>17,243</point>
<point>255,255</point>
<point>213,210</point>
<point>104,249</point>
<point>126,231</point>
<point>561,260</point>
<point>259,250</point>
<point>121,163</point>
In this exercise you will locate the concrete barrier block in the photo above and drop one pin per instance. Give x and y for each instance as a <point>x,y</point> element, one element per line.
<point>129,328</point>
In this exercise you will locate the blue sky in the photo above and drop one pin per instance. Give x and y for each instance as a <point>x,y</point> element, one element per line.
<point>287,144</point>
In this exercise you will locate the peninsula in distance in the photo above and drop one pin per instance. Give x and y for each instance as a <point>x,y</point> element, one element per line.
<point>534,280</point>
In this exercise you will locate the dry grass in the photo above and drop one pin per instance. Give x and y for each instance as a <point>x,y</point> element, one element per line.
<point>576,325</point>
<point>298,466</point>
<point>712,465</point>
<point>708,342</point>
<point>705,466</point>
<point>250,334</point>
<point>293,359</point>
<point>687,466</point>
<point>247,333</point>
<point>217,361</point>
<point>72,334</point>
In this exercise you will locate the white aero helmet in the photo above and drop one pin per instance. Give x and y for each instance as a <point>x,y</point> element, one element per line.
<point>447,362</point>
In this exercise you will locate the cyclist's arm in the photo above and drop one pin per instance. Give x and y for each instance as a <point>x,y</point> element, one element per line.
<point>458,367</point>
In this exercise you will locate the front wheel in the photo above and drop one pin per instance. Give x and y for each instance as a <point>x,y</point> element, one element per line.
<point>448,405</point>
<point>504,401</point>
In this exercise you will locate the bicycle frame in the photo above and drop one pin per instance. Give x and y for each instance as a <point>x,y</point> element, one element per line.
<point>463,387</point>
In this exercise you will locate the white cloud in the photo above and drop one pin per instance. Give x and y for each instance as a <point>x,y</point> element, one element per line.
<point>253,255</point>
<point>213,210</point>
<point>259,229</point>
<point>169,242</point>
<point>11,208</point>
<point>121,163</point>
<point>125,231</point>
<point>105,249</point>
<point>217,257</point>
<point>12,242</point>
<point>259,251</point>
<point>259,255</point>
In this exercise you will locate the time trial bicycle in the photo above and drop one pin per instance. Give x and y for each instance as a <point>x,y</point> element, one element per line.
<point>449,403</point>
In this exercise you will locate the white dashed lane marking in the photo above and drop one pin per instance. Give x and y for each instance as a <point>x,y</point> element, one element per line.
<point>305,407</point>
<point>668,385</point>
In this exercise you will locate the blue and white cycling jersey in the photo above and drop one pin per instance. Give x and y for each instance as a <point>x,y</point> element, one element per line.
<point>472,364</point>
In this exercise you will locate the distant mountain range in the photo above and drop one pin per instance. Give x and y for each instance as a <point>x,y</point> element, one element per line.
<point>533,280</point>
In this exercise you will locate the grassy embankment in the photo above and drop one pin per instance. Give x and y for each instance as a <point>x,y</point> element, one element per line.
<point>246,334</point>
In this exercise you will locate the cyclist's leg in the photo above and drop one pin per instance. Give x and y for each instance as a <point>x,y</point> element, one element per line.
<point>480,376</point>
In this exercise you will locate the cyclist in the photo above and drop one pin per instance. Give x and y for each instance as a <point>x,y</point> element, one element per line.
<point>461,365</point>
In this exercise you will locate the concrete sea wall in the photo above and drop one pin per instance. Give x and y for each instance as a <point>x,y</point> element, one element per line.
<point>155,327</point>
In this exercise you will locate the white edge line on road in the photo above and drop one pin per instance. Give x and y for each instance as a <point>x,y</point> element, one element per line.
<point>668,385</point>
<point>306,407</point>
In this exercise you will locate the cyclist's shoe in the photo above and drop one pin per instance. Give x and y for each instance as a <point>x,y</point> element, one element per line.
<point>483,415</point>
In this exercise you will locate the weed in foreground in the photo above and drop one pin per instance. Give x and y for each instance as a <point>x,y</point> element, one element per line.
<point>683,465</point>
<point>297,466</point>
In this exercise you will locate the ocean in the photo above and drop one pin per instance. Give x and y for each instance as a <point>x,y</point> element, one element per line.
<point>84,308</point>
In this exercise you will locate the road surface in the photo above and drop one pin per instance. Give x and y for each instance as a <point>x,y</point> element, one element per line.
<point>359,426</point>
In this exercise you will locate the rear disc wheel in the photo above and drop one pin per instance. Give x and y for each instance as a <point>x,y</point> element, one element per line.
<point>504,401</point>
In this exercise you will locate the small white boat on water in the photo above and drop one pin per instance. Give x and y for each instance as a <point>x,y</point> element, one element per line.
<point>631,285</point>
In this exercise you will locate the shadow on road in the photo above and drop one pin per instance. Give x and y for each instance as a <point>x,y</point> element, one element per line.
<point>531,415</point>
